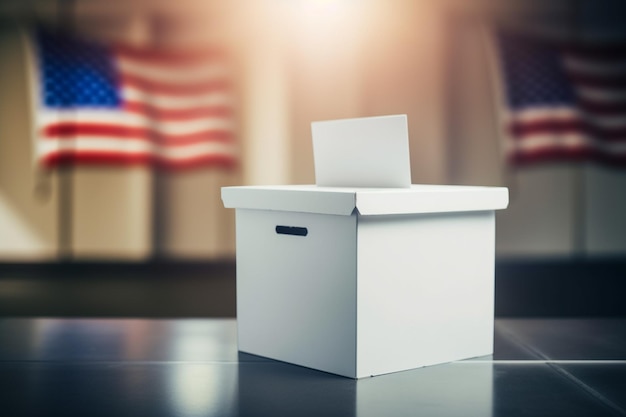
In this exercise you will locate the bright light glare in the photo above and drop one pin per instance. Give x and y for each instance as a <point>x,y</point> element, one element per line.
<point>324,12</point>
<point>199,389</point>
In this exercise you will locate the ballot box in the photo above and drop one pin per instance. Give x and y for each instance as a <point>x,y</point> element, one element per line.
<point>361,281</point>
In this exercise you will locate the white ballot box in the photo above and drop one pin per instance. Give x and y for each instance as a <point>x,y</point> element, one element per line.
<point>365,281</point>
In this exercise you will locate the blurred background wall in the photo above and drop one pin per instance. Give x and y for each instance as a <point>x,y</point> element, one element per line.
<point>295,62</point>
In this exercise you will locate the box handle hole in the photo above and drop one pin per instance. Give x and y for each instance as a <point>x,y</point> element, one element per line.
<point>292,230</point>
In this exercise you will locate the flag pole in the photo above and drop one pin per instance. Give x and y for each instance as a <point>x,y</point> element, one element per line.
<point>66,186</point>
<point>579,190</point>
<point>579,211</point>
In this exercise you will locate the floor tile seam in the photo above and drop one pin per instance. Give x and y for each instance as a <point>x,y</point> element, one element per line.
<point>595,394</point>
<point>511,337</point>
<point>544,361</point>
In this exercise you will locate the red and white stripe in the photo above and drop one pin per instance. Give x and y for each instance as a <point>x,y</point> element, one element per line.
<point>177,111</point>
<point>594,128</point>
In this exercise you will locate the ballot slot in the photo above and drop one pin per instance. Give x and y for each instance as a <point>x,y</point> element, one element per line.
<point>292,230</point>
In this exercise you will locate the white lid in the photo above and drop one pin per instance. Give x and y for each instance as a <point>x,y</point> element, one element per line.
<point>367,201</point>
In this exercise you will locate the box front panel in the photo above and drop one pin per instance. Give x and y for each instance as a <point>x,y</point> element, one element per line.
<point>296,288</point>
<point>425,290</point>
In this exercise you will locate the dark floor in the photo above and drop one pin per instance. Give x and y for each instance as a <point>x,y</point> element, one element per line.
<point>191,367</point>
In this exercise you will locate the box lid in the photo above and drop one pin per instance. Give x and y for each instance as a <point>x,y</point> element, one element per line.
<point>366,201</point>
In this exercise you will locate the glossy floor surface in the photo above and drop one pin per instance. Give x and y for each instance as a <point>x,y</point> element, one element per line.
<point>134,367</point>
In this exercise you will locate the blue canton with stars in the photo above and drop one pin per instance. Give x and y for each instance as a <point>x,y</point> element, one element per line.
<point>534,75</point>
<point>76,73</point>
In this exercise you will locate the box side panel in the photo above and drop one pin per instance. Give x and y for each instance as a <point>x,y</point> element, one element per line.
<point>296,295</point>
<point>425,290</point>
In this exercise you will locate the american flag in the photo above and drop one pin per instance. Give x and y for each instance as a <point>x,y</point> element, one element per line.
<point>121,105</point>
<point>565,101</point>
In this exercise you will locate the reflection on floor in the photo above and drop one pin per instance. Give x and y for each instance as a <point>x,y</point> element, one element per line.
<point>191,367</point>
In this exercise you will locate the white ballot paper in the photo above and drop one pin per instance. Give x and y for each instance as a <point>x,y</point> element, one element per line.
<point>362,152</point>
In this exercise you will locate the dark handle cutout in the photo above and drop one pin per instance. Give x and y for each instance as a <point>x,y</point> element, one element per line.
<point>292,230</point>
